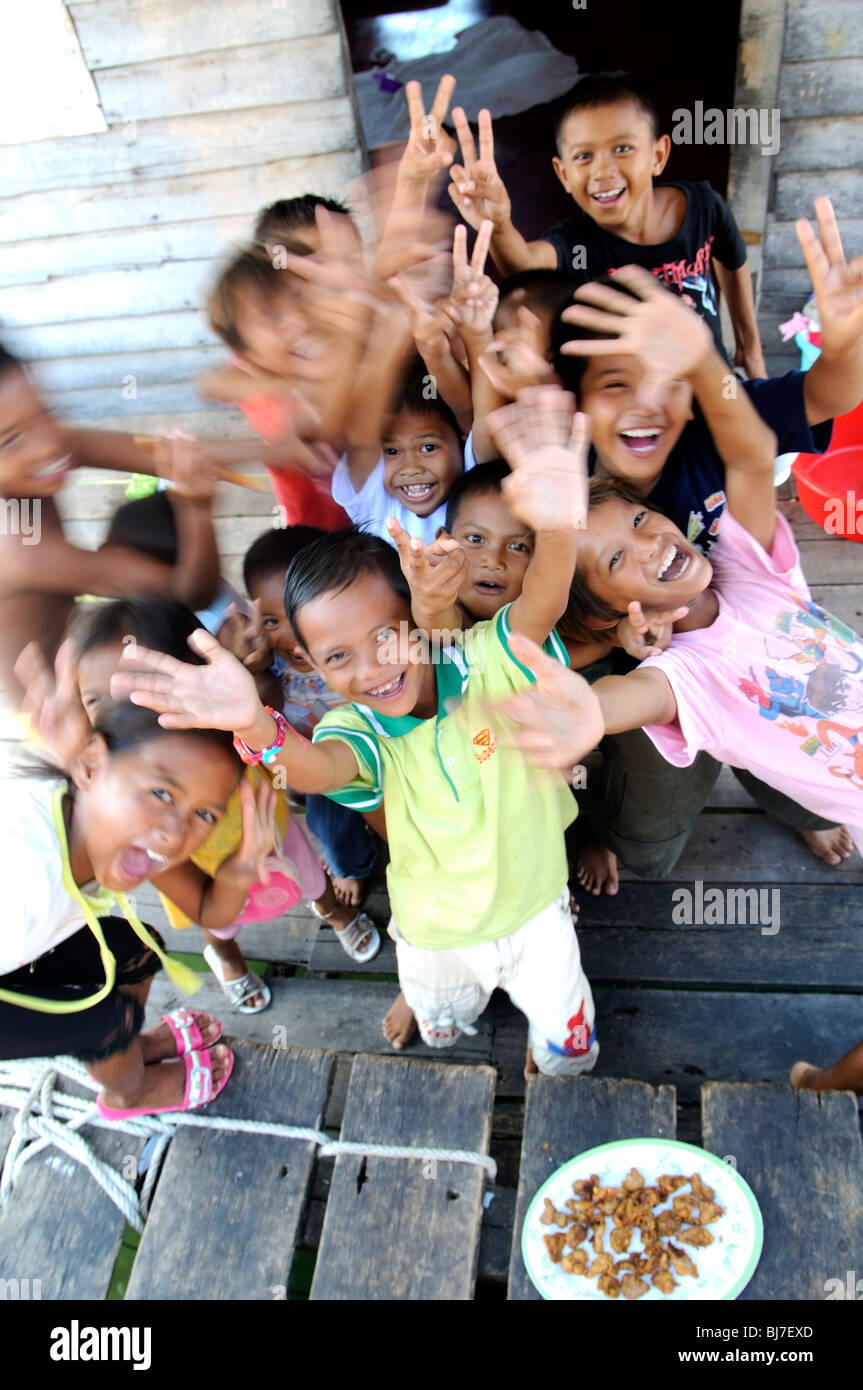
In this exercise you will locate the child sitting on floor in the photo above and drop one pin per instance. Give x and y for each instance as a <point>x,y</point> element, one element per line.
<point>610,151</point>
<point>479,896</point>
<point>137,799</point>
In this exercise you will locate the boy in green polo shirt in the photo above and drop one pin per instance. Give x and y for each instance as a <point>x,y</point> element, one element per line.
<point>478,873</point>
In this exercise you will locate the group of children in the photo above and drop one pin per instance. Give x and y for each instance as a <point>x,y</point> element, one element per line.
<point>480,487</point>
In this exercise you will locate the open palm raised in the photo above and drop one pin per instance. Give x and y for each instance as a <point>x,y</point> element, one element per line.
<point>219,695</point>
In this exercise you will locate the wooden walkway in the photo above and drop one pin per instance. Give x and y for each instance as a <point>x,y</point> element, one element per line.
<point>698,1026</point>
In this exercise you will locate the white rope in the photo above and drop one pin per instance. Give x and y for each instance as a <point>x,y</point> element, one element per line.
<point>30,1086</point>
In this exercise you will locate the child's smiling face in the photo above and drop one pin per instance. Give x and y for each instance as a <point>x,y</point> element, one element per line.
<point>423,456</point>
<point>498,550</point>
<point>148,810</point>
<point>349,635</point>
<point>269,590</point>
<point>608,160</point>
<point>277,335</point>
<point>632,442</point>
<point>628,552</point>
<point>34,457</point>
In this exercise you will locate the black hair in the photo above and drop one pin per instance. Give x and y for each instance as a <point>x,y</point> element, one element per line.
<point>548,290</point>
<point>333,562</point>
<point>249,269</point>
<point>484,478</point>
<point>292,214</point>
<point>147,526</point>
<point>9,363</point>
<point>160,623</point>
<point>125,727</point>
<point>587,613</point>
<point>417,392</point>
<point>273,551</point>
<point>571,369</point>
<point>605,89</point>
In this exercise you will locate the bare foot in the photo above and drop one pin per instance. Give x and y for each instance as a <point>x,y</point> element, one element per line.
<point>833,845</point>
<point>530,1067</point>
<point>805,1077</point>
<point>399,1025</point>
<point>350,891</point>
<point>158,1043</point>
<point>597,867</point>
<point>164,1083</point>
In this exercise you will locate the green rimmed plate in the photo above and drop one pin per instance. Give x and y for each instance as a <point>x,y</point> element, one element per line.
<point>724,1268</point>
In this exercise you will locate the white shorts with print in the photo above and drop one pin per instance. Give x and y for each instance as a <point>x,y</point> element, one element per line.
<point>539,966</point>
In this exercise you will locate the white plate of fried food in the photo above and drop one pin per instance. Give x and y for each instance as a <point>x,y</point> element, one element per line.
<point>651,1219</point>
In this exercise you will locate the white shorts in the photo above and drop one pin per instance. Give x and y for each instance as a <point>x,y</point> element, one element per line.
<point>539,966</point>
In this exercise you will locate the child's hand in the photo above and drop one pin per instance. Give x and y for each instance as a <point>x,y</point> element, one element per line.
<point>220,695</point>
<point>259,833</point>
<point>244,637</point>
<point>838,284</point>
<point>429,149</point>
<point>667,337</point>
<point>639,635</point>
<point>181,459</point>
<point>540,416</point>
<point>430,326</point>
<point>514,359</point>
<point>52,701</point>
<point>473,298</point>
<point>434,572</point>
<point>546,446</point>
<point>477,189</point>
<point>559,720</point>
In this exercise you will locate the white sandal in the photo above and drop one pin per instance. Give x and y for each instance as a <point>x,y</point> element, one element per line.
<point>359,927</point>
<point>237,992</point>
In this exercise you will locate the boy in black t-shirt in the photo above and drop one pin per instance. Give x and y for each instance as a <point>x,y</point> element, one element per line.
<point>610,151</point>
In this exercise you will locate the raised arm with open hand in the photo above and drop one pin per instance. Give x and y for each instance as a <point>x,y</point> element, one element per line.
<point>435,573</point>
<point>220,695</point>
<point>667,337</point>
<point>559,719</point>
<point>834,383</point>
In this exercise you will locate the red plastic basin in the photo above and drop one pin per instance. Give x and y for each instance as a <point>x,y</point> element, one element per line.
<point>830,488</point>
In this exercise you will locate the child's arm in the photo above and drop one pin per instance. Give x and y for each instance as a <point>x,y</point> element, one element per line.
<point>547,490</point>
<point>479,193</point>
<point>222,695</point>
<point>431,327</point>
<point>471,307</point>
<point>376,380</point>
<point>427,154</point>
<point>561,718</point>
<point>218,900</point>
<point>834,383</point>
<point>736,285</point>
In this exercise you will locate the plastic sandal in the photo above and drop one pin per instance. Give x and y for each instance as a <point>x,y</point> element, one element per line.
<point>360,926</point>
<point>186,1031</point>
<point>238,991</point>
<point>199,1089</point>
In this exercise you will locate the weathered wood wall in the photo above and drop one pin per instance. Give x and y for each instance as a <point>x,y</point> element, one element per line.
<point>821,151</point>
<point>109,241</point>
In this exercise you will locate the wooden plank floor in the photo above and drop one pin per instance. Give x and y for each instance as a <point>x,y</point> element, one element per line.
<point>712,1006</point>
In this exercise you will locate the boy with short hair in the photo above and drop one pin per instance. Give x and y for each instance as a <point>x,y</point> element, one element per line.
<point>609,152</point>
<point>479,896</point>
<point>289,224</point>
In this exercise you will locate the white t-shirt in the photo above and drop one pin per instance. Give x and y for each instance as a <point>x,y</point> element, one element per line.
<point>36,910</point>
<point>372,505</point>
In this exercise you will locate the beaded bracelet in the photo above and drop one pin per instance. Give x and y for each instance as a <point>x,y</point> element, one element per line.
<point>266,755</point>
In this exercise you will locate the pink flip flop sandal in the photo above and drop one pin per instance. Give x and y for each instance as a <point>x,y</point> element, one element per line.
<point>199,1089</point>
<point>186,1032</point>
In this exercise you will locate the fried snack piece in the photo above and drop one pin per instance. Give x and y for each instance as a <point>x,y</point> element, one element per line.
<point>695,1235</point>
<point>646,1223</point>
<point>648,1196</point>
<point>575,1235</point>
<point>552,1217</point>
<point>608,1285</point>
<point>700,1189</point>
<point>668,1223</point>
<point>575,1262</point>
<point>680,1260</point>
<point>633,1287</point>
<point>555,1247</point>
<point>633,1180</point>
<point>668,1184</point>
<point>598,1224</point>
<point>709,1211</point>
<point>581,1211</point>
<point>664,1281</point>
<point>620,1238</point>
<point>583,1189</point>
<point>626,1266</point>
<point>603,1264</point>
<point>685,1207</point>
